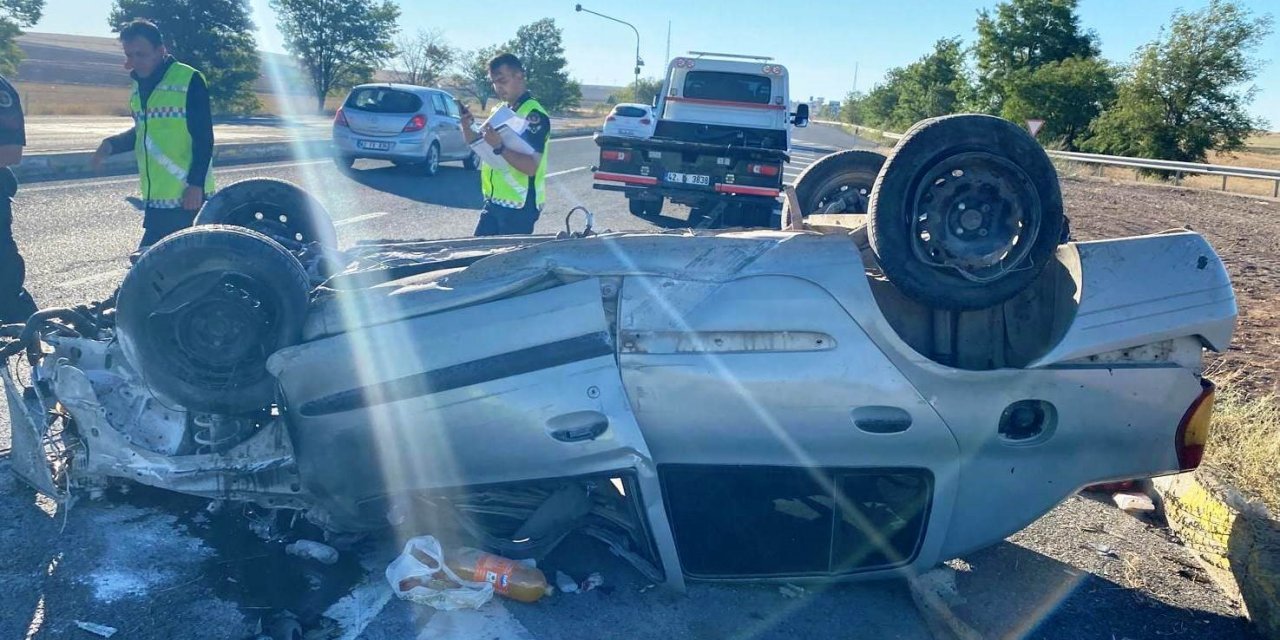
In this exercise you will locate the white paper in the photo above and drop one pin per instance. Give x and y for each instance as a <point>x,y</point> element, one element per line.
<point>509,127</point>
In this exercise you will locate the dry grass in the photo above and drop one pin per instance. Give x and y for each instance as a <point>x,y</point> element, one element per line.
<point>73,100</point>
<point>1244,445</point>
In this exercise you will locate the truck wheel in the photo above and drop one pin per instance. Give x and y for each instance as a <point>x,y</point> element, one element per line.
<point>965,213</point>
<point>838,183</point>
<point>645,208</point>
<point>278,209</point>
<point>203,309</point>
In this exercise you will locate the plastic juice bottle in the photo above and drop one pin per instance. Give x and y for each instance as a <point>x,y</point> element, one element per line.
<point>509,578</point>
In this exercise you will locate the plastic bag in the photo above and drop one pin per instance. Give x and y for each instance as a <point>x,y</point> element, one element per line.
<point>420,575</point>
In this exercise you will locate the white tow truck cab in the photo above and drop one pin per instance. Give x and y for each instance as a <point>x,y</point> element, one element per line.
<point>721,141</point>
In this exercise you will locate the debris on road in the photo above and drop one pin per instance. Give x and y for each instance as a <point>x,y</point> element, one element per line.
<point>1101,549</point>
<point>1133,502</point>
<point>594,580</point>
<point>565,583</point>
<point>791,591</point>
<point>419,574</point>
<point>312,550</point>
<point>100,630</point>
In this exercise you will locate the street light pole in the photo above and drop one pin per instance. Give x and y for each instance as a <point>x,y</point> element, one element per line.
<point>639,62</point>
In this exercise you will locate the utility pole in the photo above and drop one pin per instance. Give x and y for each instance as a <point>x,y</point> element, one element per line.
<point>855,77</point>
<point>639,62</point>
<point>667,59</point>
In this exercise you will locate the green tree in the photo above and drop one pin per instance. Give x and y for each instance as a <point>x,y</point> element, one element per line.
<point>423,58</point>
<point>472,78</point>
<point>648,90</point>
<point>1022,36</point>
<point>214,36</point>
<point>877,107</point>
<point>1187,91</point>
<point>15,15</point>
<point>539,47</point>
<point>338,43</point>
<point>851,107</point>
<point>932,86</point>
<point>1066,94</point>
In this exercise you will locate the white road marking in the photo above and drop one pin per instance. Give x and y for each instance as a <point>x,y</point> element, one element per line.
<point>560,173</point>
<point>354,611</point>
<point>573,138</point>
<point>490,621</point>
<point>218,170</point>
<point>354,219</point>
<point>97,277</point>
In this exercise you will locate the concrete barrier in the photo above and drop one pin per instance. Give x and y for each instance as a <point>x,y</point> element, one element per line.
<point>43,167</point>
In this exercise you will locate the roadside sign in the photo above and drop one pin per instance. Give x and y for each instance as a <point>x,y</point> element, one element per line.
<point>1033,125</point>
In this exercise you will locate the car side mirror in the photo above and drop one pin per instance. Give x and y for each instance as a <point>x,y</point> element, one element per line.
<point>801,117</point>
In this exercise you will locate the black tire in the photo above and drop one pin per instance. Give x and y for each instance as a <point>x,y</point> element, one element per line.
<point>472,162</point>
<point>204,308</point>
<point>431,164</point>
<point>638,207</point>
<point>278,209</point>
<point>965,213</point>
<point>838,183</point>
<point>653,208</point>
<point>344,162</point>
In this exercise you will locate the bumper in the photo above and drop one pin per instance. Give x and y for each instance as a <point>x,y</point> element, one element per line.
<point>403,147</point>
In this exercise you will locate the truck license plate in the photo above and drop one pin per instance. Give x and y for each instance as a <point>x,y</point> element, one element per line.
<point>688,178</point>
<point>374,146</point>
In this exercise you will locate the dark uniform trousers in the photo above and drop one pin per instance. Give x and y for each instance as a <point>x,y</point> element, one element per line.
<point>497,220</point>
<point>16,304</point>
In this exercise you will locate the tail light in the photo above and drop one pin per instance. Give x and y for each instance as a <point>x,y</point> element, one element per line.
<point>764,169</point>
<point>416,123</point>
<point>645,121</point>
<point>340,119</point>
<point>615,155</point>
<point>1193,431</point>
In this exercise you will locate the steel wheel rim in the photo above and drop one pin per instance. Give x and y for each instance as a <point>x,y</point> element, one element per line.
<point>976,213</point>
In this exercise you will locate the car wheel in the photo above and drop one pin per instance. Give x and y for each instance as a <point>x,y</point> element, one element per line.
<point>653,208</point>
<point>965,212</point>
<point>278,209</point>
<point>838,183</point>
<point>472,162</point>
<point>641,208</point>
<point>431,165</point>
<point>344,162</point>
<point>204,308</point>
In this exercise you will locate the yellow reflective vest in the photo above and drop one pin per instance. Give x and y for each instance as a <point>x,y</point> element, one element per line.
<point>163,144</point>
<point>510,188</point>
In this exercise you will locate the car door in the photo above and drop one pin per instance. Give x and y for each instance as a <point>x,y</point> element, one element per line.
<point>787,444</point>
<point>446,126</point>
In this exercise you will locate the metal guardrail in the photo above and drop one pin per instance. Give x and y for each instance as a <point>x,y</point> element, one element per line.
<point>1179,169</point>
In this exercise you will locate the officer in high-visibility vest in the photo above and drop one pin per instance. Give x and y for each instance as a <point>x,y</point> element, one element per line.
<point>513,196</point>
<point>16,304</point>
<point>172,134</point>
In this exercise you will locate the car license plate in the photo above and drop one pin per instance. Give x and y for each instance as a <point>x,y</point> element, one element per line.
<point>688,178</point>
<point>374,146</point>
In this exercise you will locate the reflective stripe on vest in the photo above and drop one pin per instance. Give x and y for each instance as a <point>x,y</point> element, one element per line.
<point>163,146</point>
<point>510,188</point>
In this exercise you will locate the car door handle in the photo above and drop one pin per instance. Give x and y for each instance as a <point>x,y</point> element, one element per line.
<point>579,426</point>
<point>881,420</point>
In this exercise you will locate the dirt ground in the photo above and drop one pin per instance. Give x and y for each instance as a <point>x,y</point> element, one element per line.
<point>1244,230</point>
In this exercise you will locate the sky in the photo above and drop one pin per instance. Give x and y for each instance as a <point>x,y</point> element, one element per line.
<point>823,44</point>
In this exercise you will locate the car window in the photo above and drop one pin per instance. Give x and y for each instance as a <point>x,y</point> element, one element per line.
<point>383,100</point>
<point>438,101</point>
<point>452,104</point>
<point>630,112</point>
<point>731,87</point>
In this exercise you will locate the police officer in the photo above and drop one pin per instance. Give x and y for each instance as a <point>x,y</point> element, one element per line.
<point>16,304</point>
<point>172,136</point>
<point>513,197</point>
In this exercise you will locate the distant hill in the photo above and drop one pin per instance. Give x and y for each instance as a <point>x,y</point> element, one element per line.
<point>60,59</point>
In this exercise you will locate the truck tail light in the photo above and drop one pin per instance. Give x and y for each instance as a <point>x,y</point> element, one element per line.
<point>615,155</point>
<point>416,123</point>
<point>764,169</point>
<point>340,119</point>
<point>645,121</point>
<point>1193,431</point>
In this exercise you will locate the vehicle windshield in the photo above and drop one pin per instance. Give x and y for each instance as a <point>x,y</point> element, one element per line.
<point>728,87</point>
<point>383,100</point>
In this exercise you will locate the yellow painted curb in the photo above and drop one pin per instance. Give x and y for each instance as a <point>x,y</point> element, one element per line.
<point>1240,543</point>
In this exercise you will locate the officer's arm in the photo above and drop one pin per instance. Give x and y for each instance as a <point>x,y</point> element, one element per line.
<point>13,132</point>
<point>536,133</point>
<point>523,162</point>
<point>200,127</point>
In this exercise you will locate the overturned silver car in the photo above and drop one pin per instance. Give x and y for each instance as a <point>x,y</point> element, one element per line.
<point>854,395</point>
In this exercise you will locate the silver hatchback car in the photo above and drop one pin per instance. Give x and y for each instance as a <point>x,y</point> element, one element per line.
<point>406,124</point>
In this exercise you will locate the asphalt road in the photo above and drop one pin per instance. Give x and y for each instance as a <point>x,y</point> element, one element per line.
<point>158,566</point>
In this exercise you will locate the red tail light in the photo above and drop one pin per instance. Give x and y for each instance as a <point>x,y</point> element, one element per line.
<point>1193,431</point>
<point>645,121</point>
<point>340,119</point>
<point>615,155</point>
<point>416,123</point>
<point>764,169</point>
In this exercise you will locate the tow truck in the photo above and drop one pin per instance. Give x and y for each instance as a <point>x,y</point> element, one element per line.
<point>722,137</point>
